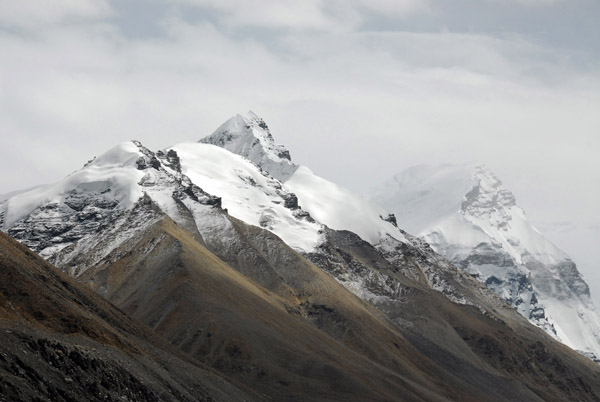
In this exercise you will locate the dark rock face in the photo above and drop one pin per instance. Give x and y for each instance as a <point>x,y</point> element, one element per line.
<point>391,218</point>
<point>364,269</point>
<point>285,154</point>
<point>81,213</point>
<point>290,201</point>
<point>569,280</point>
<point>197,194</point>
<point>54,370</point>
<point>492,280</point>
<point>263,125</point>
<point>487,254</point>
<point>89,162</point>
<point>173,160</point>
<point>499,271</point>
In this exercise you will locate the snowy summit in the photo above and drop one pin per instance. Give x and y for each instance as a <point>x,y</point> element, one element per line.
<point>466,214</point>
<point>327,202</point>
<point>249,136</point>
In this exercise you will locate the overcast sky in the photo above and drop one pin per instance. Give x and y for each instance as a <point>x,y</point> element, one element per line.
<point>356,89</point>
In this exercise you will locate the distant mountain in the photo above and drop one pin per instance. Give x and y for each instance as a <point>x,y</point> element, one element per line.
<point>284,281</point>
<point>465,213</point>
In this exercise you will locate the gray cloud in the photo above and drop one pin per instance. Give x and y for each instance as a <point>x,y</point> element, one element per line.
<point>534,3</point>
<point>331,15</point>
<point>34,14</point>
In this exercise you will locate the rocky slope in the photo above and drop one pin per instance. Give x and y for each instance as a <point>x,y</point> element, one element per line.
<point>465,213</point>
<point>63,342</point>
<point>276,322</point>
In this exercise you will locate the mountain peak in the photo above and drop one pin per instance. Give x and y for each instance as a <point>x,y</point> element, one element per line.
<point>467,215</point>
<point>249,136</point>
<point>488,197</point>
<point>427,198</point>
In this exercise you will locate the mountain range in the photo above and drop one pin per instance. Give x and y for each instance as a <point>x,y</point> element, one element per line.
<point>287,286</point>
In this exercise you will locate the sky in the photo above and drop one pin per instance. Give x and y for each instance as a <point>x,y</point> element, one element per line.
<point>356,89</point>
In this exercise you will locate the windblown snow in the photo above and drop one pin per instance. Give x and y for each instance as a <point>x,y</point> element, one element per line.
<point>339,208</point>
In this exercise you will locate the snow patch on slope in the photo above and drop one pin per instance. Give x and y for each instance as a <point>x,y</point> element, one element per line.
<point>4,197</point>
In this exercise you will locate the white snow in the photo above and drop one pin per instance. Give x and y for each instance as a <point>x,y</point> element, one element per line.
<point>577,326</point>
<point>246,193</point>
<point>339,208</point>
<point>4,197</point>
<point>456,235</point>
<point>114,170</point>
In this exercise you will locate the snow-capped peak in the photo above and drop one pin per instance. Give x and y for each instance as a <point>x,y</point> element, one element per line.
<point>493,208</point>
<point>466,214</point>
<point>468,203</point>
<point>249,136</point>
<point>121,192</point>
<point>124,154</point>
<point>328,203</point>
